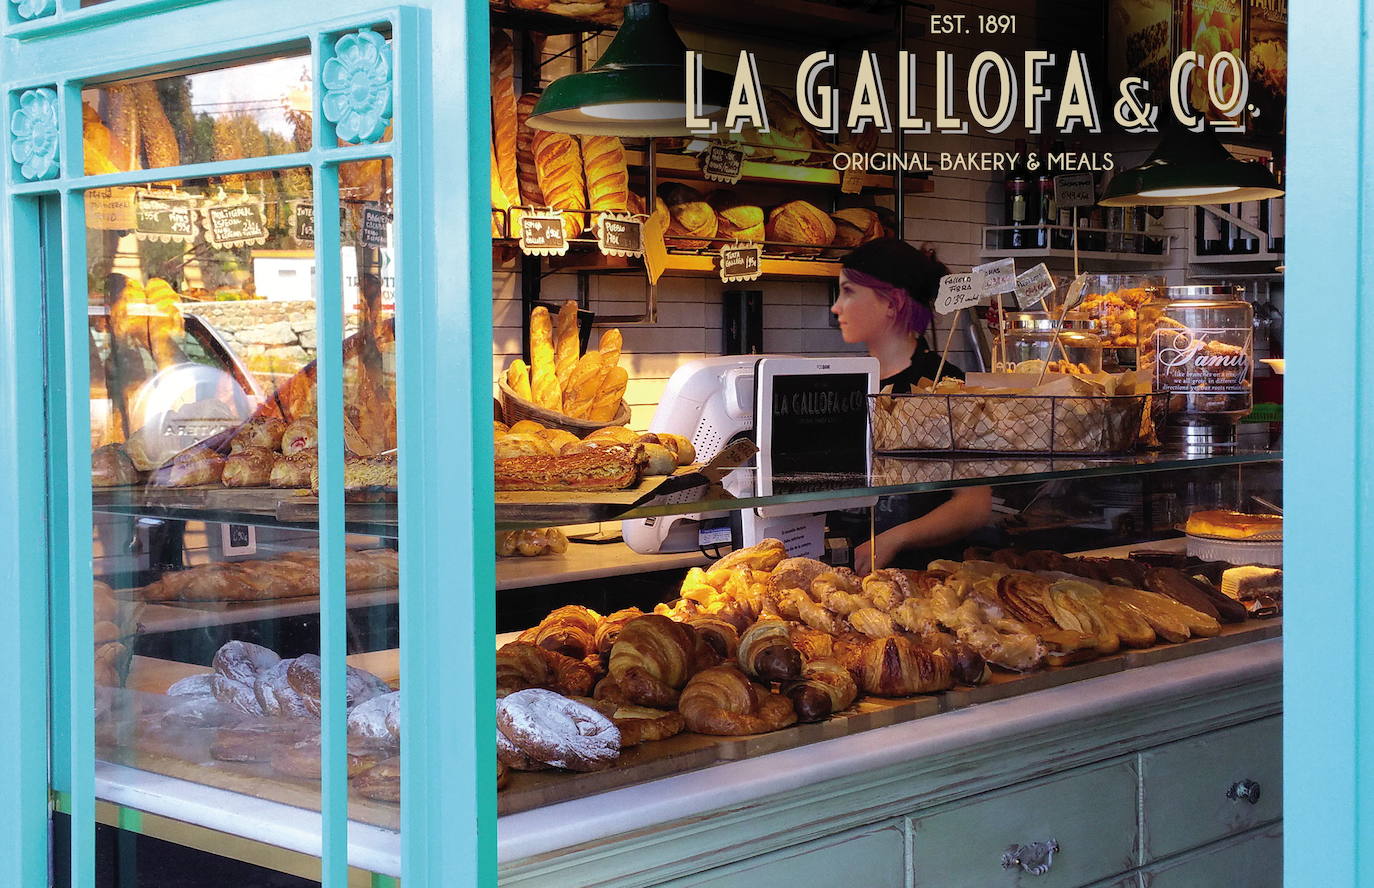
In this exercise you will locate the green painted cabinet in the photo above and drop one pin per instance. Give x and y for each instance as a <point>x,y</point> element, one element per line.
<point>871,857</point>
<point>1252,860</point>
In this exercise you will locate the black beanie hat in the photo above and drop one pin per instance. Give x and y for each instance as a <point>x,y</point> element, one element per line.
<point>899,264</point>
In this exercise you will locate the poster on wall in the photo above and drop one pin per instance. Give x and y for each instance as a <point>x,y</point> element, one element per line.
<point>1208,27</point>
<point>1140,41</point>
<point>1267,60</point>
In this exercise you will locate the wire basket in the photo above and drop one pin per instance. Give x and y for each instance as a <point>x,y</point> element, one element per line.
<point>1006,423</point>
<point>515,408</point>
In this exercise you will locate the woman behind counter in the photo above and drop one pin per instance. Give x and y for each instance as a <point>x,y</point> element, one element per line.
<point>887,288</point>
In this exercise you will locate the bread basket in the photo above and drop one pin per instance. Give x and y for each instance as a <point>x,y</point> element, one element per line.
<point>515,408</point>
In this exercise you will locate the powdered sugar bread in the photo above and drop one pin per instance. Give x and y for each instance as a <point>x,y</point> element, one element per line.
<point>558,731</point>
<point>512,756</point>
<point>376,718</point>
<point>243,660</point>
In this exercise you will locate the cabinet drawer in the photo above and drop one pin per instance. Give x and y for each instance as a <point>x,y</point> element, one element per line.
<point>1090,812</point>
<point>1185,786</point>
<point>871,856</point>
<point>1254,860</point>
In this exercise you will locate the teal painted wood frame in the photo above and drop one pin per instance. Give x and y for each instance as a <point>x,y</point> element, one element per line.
<point>444,373</point>
<point>1329,446</point>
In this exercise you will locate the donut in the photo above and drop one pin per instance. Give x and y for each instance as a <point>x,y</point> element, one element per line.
<point>377,719</point>
<point>513,757</point>
<point>243,660</point>
<point>558,731</point>
<point>382,782</point>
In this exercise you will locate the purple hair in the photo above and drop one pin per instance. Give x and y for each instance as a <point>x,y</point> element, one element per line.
<point>909,316</point>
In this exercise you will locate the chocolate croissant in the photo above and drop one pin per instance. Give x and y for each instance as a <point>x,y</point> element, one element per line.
<point>719,633</point>
<point>825,688</point>
<point>652,660</point>
<point>723,701</point>
<point>896,667</point>
<point>766,652</point>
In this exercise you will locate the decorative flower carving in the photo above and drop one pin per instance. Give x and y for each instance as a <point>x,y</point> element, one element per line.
<point>32,9</point>
<point>35,134</point>
<point>357,87</point>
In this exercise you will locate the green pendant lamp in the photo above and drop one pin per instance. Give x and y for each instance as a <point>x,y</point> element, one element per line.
<point>637,88</point>
<point>1190,169</point>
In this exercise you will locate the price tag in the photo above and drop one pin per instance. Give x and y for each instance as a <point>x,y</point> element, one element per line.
<point>655,250</point>
<point>542,234</point>
<point>956,293</point>
<point>1075,294</point>
<point>376,220</point>
<point>620,235</point>
<point>852,181</point>
<point>1033,285</point>
<point>1074,190</point>
<point>236,223</point>
<point>165,217</point>
<point>238,539</point>
<point>995,277</point>
<point>721,163</point>
<point>111,209</point>
<point>741,262</point>
<point>303,222</point>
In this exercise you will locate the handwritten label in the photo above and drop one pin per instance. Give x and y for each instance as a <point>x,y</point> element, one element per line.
<point>165,218</point>
<point>376,219</point>
<point>995,277</point>
<point>655,249</point>
<point>721,163</point>
<point>1075,294</point>
<point>111,209</point>
<point>542,234</point>
<point>620,235</point>
<point>1033,286</point>
<point>956,293</point>
<point>852,180</point>
<point>235,224</point>
<point>1074,190</point>
<point>303,222</point>
<point>741,262</point>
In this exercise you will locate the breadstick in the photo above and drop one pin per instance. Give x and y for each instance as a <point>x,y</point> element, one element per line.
<point>565,342</point>
<point>607,400</point>
<point>582,386</point>
<point>611,342</point>
<point>543,375</point>
<point>518,378</point>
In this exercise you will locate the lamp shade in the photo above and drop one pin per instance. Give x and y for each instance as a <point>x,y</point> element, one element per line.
<point>1190,169</point>
<point>637,88</point>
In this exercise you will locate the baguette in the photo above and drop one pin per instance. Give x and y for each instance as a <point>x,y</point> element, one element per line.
<point>582,385</point>
<point>518,378</point>
<point>565,342</point>
<point>498,200</point>
<point>503,113</point>
<point>543,374</point>
<point>524,152</point>
<point>558,162</point>
<point>611,343</point>
<point>608,397</point>
<point>608,176</point>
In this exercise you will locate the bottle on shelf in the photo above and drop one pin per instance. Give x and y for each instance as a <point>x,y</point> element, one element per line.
<point>1045,211</point>
<point>1016,203</point>
<point>1276,210</point>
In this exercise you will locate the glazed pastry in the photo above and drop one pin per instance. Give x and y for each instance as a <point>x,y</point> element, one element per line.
<point>886,589</point>
<point>260,431</point>
<point>248,467</point>
<point>896,667</point>
<point>720,634</point>
<point>560,732</point>
<point>299,436</point>
<point>653,658</point>
<point>766,652</point>
<point>872,622</point>
<point>825,688</point>
<point>573,678</point>
<point>764,555</point>
<point>723,701</point>
<point>812,644</point>
<point>111,467</point>
<point>293,471</point>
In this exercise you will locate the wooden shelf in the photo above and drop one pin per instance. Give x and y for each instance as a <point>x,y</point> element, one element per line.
<point>687,166</point>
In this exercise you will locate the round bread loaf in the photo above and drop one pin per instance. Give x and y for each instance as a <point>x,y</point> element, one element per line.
<point>798,222</point>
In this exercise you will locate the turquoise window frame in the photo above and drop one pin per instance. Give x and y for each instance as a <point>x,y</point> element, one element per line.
<point>443,341</point>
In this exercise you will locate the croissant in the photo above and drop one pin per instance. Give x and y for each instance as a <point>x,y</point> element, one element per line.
<point>521,665</point>
<point>653,658</point>
<point>896,667</point>
<point>723,701</point>
<point>719,633</point>
<point>844,603</point>
<point>826,687</point>
<point>812,644</point>
<point>766,652</point>
<point>608,630</point>
<point>818,617</point>
<point>570,631</point>
<point>764,555</point>
<point>572,678</point>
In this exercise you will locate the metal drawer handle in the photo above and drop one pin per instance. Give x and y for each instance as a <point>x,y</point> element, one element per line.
<point>1035,858</point>
<point>1244,791</point>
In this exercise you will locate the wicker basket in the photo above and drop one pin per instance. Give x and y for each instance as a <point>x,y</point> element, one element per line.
<point>515,408</point>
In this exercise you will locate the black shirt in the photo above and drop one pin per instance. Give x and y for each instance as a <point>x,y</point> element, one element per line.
<point>924,364</point>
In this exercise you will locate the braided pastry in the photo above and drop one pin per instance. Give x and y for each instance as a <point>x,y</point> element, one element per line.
<point>836,579</point>
<point>915,615</point>
<point>723,701</point>
<point>896,667</point>
<point>653,658</point>
<point>719,633</point>
<point>844,603</point>
<point>766,652</point>
<point>817,616</point>
<point>826,687</point>
<point>886,589</point>
<point>570,631</point>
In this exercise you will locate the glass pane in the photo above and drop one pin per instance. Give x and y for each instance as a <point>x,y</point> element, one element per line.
<point>251,110</point>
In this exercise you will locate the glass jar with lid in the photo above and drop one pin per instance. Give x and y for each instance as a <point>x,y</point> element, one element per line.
<point>1031,337</point>
<point>1197,343</point>
<point>1115,301</point>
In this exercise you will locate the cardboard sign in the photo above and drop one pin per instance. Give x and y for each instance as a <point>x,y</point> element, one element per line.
<point>376,219</point>
<point>721,163</point>
<point>852,180</point>
<point>620,235</point>
<point>741,262</point>
<point>956,293</point>
<point>1033,286</point>
<point>165,217</point>
<point>1075,294</point>
<point>235,224</point>
<point>995,277</point>
<point>111,209</point>
<point>542,234</point>
<point>655,249</point>
<point>1074,190</point>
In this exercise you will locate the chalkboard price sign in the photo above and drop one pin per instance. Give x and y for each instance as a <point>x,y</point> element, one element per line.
<point>721,163</point>
<point>235,224</point>
<point>303,222</point>
<point>542,234</point>
<point>376,218</point>
<point>620,236</point>
<point>741,262</point>
<point>165,217</point>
